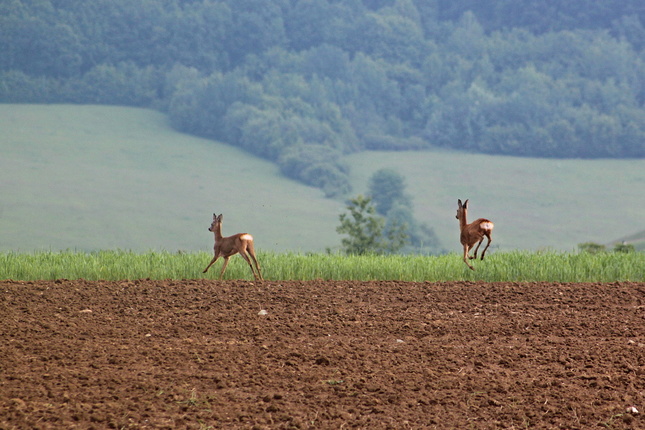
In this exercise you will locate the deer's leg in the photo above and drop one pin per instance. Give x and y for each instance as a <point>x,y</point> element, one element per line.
<point>487,244</point>
<point>246,257</point>
<point>211,263</point>
<point>466,258</point>
<point>251,250</point>
<point>221,274</point>
<point>474,257</point>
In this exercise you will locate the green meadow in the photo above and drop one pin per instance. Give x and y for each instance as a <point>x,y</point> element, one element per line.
<point>89,178</point>
<point>104,177</point>
<point>535,203</point>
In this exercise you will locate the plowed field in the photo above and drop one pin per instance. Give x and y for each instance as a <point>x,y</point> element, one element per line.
<point>201,354</point>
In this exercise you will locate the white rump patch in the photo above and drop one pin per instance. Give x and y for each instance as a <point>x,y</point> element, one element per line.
<point>487,225</point>
<point>246,236</point>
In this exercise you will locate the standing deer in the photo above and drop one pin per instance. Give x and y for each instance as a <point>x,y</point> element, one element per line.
<point>473,232</point>
<point>226,247</point>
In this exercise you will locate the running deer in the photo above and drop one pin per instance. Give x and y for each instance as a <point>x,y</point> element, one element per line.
<point>473,232</point>
<point>226,247</point>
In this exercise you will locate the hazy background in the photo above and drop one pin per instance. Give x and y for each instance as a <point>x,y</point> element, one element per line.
<point>100,177</point>
<point>127,124</point>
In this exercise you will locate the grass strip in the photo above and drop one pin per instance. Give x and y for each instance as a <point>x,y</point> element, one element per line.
<point>512,266</point>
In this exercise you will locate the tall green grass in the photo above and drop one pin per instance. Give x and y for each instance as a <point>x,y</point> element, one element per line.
<point>502,266</point>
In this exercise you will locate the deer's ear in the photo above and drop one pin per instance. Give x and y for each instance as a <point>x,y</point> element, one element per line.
<point>466,204</point>
<point>220,217</point>
<point>214,216</point>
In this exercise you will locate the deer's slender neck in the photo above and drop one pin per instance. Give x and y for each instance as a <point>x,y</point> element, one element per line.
<point>218,232</point>
<point>462,220</point>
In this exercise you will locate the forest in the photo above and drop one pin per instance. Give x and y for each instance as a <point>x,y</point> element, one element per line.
<point>304,82</point>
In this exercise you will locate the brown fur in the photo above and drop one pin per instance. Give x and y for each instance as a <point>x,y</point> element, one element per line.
<point>473,233</point>
<point>226,247</point>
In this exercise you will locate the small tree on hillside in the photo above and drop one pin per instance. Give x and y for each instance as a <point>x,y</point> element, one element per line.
<point>591,247</point>
<point>386,189</point>
<point>624,248</point>
<point>367,231</point>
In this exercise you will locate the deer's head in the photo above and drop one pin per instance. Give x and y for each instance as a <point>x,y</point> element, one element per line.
<point>217,220</point>
<point>461,210</point>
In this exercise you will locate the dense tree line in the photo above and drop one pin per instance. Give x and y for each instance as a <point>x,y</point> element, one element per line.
<point>302,82</point>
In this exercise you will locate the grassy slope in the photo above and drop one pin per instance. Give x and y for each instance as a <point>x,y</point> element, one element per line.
<point>100,177</point>
<point>535,203</point>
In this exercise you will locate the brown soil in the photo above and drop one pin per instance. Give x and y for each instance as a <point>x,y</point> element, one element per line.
<point>327,355</point>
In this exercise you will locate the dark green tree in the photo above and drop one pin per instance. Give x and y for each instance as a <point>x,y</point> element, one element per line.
<point>624,248</point>
<point>386,189</point>
<point>316,165</point>
<point>366,229</point>
<point>257,26</point>
<point>421,238</point>
<point>591,247</point>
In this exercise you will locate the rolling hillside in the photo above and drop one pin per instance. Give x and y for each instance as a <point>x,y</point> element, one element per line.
<point>535,203</point>
<point>104,177</point>
<point>101,177</point>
